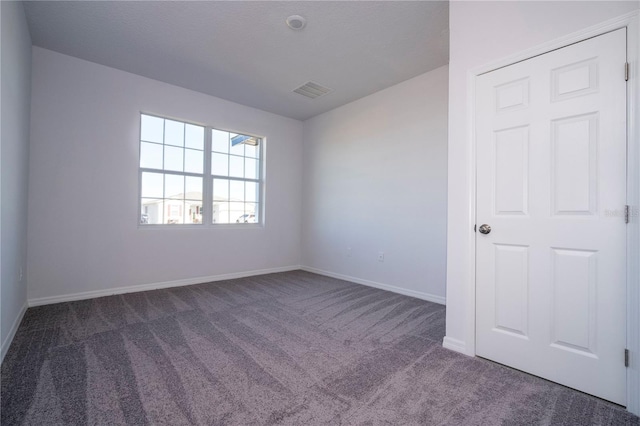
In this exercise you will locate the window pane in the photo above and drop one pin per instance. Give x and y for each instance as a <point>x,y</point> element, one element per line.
<point>193,212</point>
<point>151,213</point>
<point>251,192</point>
<point>174,187</point>
<point>220,212</point>
<point>151,128</point>
<point>238,149</point>
<point>151,185</point>
<point>173,158</point>
<point>150,155</point>
<point>173,133</point>
<point>236,190</point>
<point>220,190</point>
<point>173,212</point>
<point>236,212</point>
<point>251,212</point>
<point>219,141</point>
<point>252,151</point>
<point>193,161</point>
<point>236,166</point>
<point>194,137</point>
<point>250,168</point>
<point>220,164</point>
<point>193,188</point>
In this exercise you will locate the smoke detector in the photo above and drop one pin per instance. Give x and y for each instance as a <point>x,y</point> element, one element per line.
<point>296,22</point>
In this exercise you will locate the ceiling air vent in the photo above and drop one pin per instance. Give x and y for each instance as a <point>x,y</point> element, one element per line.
<point>312,90</point>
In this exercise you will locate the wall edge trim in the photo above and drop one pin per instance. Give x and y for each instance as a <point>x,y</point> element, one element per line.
<point>39,301</point>
<point>455,345</point>
<point>412,293</point>
<point>6,344</point>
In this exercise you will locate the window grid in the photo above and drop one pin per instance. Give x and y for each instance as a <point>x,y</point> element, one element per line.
<point>234,206</point>
<point>184,207</point>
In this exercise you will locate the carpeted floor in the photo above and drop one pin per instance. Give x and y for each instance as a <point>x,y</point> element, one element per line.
<point>292,348</point>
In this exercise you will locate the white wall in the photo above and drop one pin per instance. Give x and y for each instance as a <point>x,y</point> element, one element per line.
<point>481,33</point>
<point>375,180</point>
<point>14,151</point>
<point>83,201</point>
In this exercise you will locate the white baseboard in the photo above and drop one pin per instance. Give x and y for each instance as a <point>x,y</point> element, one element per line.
<point>154,286</point>
<point>417,294</point>
<point>12,333</point>
<point>454,345</point>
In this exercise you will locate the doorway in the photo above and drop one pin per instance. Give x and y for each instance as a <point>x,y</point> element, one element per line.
<point>550,199</point>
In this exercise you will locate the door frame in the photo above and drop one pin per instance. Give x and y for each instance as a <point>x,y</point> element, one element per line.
<point>631,21</point>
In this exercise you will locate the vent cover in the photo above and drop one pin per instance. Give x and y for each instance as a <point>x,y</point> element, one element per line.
<point>312,90</point>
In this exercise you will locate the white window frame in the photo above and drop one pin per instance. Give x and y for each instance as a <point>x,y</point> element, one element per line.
<point>207,180</point>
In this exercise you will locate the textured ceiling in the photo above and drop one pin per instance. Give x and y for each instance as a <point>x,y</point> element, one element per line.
<point>244,52</point>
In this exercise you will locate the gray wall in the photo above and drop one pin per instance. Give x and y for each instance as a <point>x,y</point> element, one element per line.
<point>375,180</point>
<point>84,239</point>
<point>15,107</point>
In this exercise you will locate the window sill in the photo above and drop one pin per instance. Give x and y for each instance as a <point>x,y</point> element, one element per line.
<point>201,227</point>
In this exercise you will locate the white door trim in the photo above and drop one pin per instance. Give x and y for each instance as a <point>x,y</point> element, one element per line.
<point>631,22</point>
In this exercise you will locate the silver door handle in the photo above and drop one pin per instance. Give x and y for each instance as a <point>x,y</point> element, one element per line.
<point>485,229</point>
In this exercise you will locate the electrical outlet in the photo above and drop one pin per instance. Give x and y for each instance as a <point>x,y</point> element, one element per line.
<point>20,275</point>
<point>348,251</point>
<point>381,256</point>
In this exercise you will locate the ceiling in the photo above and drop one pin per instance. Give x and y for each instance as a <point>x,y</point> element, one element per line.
<point>244,52</point>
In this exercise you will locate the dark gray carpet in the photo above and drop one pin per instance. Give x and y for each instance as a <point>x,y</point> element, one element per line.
<point>292,348</point>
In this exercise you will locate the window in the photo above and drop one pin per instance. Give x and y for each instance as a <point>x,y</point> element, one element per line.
<point>181,185</point>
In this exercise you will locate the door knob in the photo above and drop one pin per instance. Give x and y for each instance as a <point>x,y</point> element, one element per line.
<point>485,229</point>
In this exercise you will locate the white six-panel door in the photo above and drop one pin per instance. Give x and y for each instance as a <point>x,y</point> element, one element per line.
<point>551,173</point>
